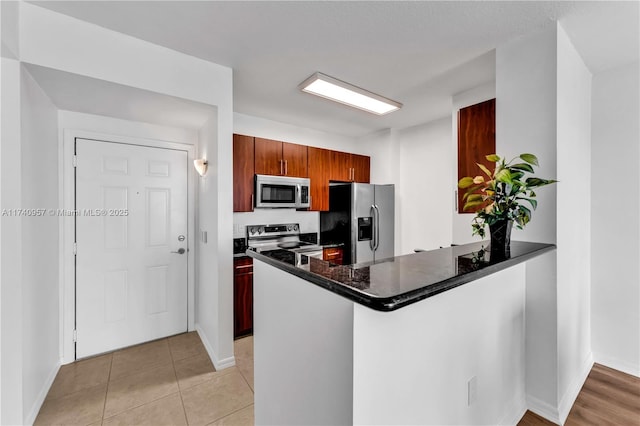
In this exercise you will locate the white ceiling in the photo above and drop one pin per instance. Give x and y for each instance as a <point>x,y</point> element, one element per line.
<point>419,53</point>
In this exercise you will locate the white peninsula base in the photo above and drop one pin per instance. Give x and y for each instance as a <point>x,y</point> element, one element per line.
<point>454,358</point>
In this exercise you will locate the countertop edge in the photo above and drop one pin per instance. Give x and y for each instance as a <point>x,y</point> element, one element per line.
<point>388,304</point>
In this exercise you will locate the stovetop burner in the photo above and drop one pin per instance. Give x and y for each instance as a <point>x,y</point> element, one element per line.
<point>282,242</point>
<point>293,244</point>
<point>281,255</point>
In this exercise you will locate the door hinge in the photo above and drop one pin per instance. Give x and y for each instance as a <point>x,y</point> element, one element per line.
<point>75,336</point>
<point>75,249</point>
<point>75,160</point>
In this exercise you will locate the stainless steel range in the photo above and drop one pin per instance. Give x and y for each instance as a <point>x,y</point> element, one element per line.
<point>282,242</point>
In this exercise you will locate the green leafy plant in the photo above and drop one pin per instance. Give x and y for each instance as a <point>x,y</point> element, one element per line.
<point>504,194</point>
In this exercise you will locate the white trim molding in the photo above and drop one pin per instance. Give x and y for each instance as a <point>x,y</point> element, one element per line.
<point>617,364</point>
<point>37,405</point>
<point>543,409</point>
<point>569,397</point>
<point>218,364</point>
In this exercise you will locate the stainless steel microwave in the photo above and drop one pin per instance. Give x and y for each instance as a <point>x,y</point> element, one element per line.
<point>282,192</point>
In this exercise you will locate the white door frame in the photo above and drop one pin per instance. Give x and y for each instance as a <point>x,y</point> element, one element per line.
<point>67,228</point>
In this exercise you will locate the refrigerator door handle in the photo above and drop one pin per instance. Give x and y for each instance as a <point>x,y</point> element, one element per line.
<point>377,227</point>
<point>372,242</point>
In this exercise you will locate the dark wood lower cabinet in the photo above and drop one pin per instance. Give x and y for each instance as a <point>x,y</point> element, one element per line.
<point>333,255</point>
<point>242,297</point>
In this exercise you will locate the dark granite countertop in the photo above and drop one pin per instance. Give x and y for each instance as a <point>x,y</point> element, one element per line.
<point>390,284</point>
<point>332,245</point>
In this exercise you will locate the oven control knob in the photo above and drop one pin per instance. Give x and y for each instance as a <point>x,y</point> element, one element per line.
<point>289,228</point>
<point>295,227</point>
<point>253,230</point>
<point>261,230</point>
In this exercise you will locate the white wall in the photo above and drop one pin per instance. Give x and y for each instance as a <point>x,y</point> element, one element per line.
<point>526,119</point>
<point>249,125</point>
<point>214,308</point>
<point>63,43</point>
<point>526,122</point>
<point>615,229</point>
<point>40,239</point>
<point>543,107</point>
<point>11,247</point>
<point>424,202</point>
<point>412,366</point>
<point>573,237</point>
<point>303,347</point>
<point>9,27</point>
<point>461,223</point>
<point>119,127</point>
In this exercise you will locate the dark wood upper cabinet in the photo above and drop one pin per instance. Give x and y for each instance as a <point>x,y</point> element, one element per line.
<point>252,155</point>
<point>295,160</point>
<point>268,157</point>
<point>361,165</point>
<point>340,166</point>
<point>476,140</point>
<point>280,158</point>
<point>319,173</point>
<point>243,172</point>
<point>346,167</point>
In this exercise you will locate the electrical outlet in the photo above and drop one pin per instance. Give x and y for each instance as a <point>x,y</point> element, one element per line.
<point>238,230</point>
<point>472,390</point>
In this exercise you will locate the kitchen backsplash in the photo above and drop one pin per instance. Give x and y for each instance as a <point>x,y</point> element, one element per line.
<point>309,221</point>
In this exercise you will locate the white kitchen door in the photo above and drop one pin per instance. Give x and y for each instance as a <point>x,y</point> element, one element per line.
<point>131,235</point>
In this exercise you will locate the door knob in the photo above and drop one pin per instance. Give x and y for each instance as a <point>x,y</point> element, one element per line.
<point>180,251</point>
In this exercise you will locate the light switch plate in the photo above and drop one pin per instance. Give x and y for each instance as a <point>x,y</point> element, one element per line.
<point>203,235</point>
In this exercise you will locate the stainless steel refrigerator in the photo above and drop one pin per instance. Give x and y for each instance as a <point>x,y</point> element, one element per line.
<point>361,217</point>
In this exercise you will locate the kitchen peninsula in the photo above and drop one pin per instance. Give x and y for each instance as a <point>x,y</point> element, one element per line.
<point>434,337</point>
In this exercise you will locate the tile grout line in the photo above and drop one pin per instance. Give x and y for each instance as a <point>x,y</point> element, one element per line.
<point>175,374</point>
<point>106,392</point>
<point>148,402</point>
<point>230,414</point>
<point>246,381</point>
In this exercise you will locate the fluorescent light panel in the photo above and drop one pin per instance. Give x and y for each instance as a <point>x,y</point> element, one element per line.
<point>336,90</point>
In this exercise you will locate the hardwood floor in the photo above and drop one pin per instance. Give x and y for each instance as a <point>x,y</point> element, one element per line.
<point>608,397</point>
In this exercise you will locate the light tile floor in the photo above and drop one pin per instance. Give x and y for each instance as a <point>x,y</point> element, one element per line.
<point>165,382</point>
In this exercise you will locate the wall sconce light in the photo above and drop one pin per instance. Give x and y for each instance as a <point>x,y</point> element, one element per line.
<point>201,166</point>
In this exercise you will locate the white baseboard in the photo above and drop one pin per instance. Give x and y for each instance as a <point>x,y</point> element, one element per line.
<point>516,410</point>
<point>37,404</point>
<point>572,392</point>
<point>218,364</point>
<point>617,364</point>
<point>543,409</point>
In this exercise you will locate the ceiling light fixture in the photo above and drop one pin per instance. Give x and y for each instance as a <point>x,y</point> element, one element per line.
<point>336,90</point>
<point>201,166</point>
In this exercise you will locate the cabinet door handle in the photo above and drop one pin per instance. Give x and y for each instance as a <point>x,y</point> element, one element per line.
<point>286,167</point>
<point>281,169</point>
